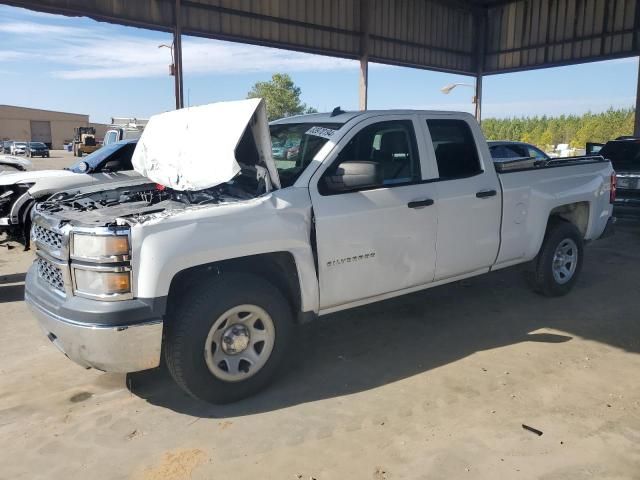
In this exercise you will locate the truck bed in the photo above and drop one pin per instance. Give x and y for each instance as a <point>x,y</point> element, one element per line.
<point>579,192</point>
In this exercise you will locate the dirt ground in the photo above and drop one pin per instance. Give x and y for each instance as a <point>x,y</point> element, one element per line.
<point>436,385</point>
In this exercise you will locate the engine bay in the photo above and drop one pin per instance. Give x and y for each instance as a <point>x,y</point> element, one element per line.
<point>140,202</point>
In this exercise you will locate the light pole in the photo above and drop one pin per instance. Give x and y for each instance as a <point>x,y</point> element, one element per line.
<point>172,72</point>
<point>477,98</point>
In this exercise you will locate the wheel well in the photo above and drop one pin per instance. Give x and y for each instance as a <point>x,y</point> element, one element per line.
<point>278,268</point>
<point>574,213</point>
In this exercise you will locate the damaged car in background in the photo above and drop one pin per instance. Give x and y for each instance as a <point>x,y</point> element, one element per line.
<point>13,164</point>
<point>214,257</point>
<point>20,191</point>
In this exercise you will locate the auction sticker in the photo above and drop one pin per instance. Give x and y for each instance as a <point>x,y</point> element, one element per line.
<point>321,132</point>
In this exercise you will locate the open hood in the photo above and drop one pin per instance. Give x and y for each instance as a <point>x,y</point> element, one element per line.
<point>195,148</point>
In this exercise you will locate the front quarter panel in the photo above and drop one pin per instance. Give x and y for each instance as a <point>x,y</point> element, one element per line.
<point>276,222</point>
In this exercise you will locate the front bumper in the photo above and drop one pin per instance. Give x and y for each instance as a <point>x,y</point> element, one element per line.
<point>105,345</point>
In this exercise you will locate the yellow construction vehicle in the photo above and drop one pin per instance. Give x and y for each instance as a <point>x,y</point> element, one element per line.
<point>84,141</point>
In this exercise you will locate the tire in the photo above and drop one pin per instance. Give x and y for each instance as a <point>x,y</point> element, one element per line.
<point>548,275</point>
<point>190,348</point>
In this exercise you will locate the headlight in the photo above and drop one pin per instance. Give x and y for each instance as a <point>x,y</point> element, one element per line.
<point>103,283</point>
<point>100,247</point>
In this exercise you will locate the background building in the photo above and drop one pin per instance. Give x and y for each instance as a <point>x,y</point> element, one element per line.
<point>53,128</point>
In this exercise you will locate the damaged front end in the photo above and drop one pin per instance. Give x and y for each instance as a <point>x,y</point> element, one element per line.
<point>93,243</point>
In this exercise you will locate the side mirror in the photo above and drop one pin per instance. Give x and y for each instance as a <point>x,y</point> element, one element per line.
<point>354,175</point>
<point>83,167</point>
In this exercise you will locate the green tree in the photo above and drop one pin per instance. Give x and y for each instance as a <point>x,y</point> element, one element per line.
<point>573,129</point>
<point>281,95</point>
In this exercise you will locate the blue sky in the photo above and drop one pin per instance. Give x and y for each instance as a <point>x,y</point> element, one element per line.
<point>83,66</point>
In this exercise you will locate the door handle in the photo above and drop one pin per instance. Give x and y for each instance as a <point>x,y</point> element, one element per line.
<point>420,203</point>
<point>486,194</point>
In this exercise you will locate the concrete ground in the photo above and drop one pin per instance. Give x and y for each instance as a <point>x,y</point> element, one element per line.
<point>435,385</point>
<point>58,159</point>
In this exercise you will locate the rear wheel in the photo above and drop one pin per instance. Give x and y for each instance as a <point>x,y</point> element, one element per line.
<point>227,337</point>
<point>556,268</point>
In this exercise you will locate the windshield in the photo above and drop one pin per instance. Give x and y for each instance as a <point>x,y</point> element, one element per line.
<point>96,158</point>
<point>624,154</point>
<point>36,144</point>
<point>20,144</point>
<point>292,149</point>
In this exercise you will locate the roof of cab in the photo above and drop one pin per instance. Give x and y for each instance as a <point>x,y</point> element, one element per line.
<point>344,117</point>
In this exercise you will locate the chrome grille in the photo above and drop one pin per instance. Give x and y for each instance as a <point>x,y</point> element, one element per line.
<point>47,237</point>
<point>50,273</point>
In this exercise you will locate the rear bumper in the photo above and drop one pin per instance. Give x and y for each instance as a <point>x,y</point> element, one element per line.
<point>123,347</point>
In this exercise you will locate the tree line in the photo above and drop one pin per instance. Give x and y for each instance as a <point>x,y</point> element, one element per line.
<point>576,130</point>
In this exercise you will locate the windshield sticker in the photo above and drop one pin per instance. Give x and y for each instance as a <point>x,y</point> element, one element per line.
<point>321,132</point>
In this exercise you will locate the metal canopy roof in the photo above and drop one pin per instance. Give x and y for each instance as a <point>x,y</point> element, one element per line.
<point>460,36</point>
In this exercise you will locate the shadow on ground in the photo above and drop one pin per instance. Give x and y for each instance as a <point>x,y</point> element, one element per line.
<point>377,344</point>
<point>12,287</point>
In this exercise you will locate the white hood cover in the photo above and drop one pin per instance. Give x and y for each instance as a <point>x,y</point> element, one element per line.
<point>194,148</point>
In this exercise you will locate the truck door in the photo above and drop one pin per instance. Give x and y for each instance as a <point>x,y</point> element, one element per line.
<point>469,197</point>
<point>380,239</point>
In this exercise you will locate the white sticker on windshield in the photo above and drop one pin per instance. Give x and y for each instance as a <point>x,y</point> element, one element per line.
<point>321,132</point>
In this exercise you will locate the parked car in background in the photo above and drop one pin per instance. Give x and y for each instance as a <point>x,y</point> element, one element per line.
<point>5,146</point>
<point>212,263</point>
<point>19,191</point>
<point>624,154</point>
<point>18,148</point>
<point>37,149</point>
<point>510,150</point>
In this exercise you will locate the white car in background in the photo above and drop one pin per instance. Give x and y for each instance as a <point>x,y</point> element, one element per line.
<point>18,148</point>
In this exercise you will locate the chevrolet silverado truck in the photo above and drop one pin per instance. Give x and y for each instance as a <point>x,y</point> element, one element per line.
<point>19,191</point>
<point>214,258</point>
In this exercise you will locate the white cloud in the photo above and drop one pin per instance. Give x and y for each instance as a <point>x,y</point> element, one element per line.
<point>9,55</point>
<point>83,53</point>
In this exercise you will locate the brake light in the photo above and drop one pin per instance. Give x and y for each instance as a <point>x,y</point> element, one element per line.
<point>612,191</point>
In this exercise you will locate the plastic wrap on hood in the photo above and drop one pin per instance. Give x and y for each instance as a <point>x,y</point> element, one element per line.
<point>195,148</point>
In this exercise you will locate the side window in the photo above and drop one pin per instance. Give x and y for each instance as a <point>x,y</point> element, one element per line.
<point>502,152</point>
<point>455,148</point>
<point>537,154</point>
<point>391,145</point>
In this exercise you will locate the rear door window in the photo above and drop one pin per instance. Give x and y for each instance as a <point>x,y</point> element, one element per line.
<point>455,148</point>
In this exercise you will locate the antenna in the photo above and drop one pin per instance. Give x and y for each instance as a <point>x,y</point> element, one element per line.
<point>336,111</point>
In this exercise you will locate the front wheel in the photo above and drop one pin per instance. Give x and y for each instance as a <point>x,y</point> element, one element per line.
<point>556,268</point>
<point>227,337</point>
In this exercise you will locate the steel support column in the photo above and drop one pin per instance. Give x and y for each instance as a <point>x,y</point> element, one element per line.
<point>636,129</point>
<point>481,39</point>
<point>177,52</point>
<point>478,98</point>
<point>365,20</point>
